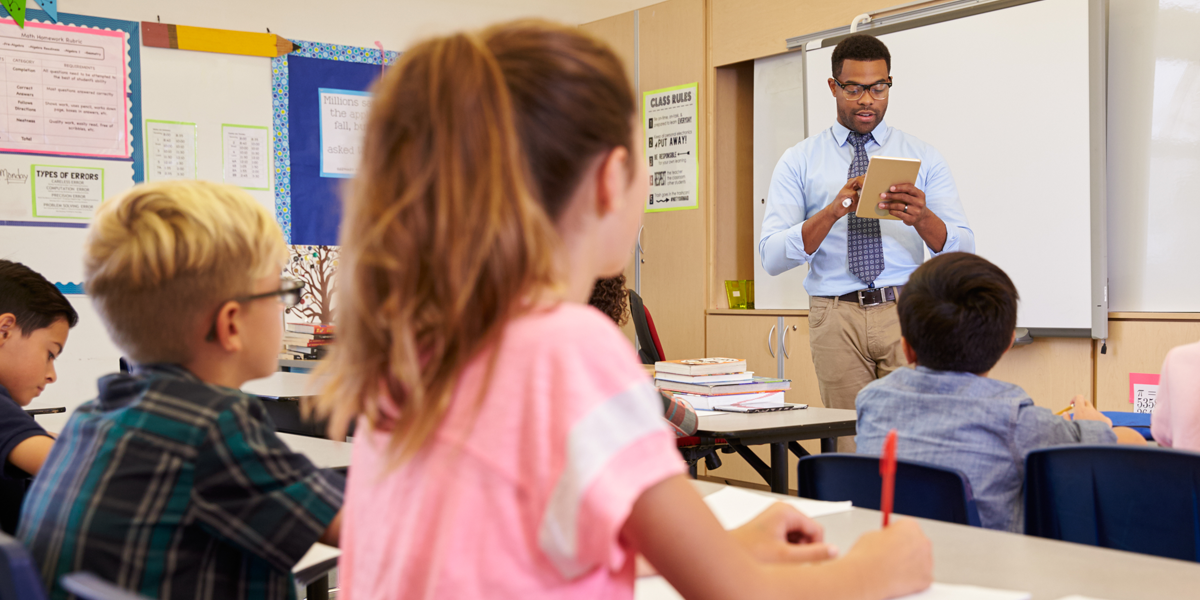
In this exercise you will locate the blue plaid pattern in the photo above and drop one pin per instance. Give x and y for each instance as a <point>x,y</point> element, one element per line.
<point>176,489</point>
<point>864,247</point>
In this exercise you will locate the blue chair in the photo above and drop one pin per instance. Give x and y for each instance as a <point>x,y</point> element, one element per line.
<point>19,577</point>
<point>1128,498</point>
<point>88,586</point>
<point>922,490</point>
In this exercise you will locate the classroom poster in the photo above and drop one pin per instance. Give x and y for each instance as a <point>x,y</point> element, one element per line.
<point>669,120</point>
<point>65,90</point>
<point>170,150</point>
<point>66,192</point>
<point>343,123</point>
<point>246,156</point>
<point>1143,391</point>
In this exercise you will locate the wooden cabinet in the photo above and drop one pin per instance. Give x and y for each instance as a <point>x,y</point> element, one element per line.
<point>755,339</point>
<point>798,366</point>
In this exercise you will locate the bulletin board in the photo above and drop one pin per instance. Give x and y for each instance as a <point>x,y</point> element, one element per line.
<point>319,109</point>
<point>71,113</point>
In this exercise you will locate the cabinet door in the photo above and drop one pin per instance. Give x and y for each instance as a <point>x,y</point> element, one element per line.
<point>798,366</point>
<point>756,339</point>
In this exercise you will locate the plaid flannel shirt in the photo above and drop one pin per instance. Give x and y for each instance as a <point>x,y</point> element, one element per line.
<point>175,488</point>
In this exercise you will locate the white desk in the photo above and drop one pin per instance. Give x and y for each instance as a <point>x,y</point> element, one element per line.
<point>283,385</point>
<point>325,454</point>
<point>1048,569</point>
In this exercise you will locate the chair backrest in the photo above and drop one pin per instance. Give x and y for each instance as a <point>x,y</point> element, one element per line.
<point>647,349</point>
<point>922,490</point>
<point>88,586</point>
<point>1136,499</point>
<point>19,577</point>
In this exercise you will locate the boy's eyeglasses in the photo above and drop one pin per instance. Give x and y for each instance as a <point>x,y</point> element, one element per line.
<point>854,91</point>
<point>289,295</point>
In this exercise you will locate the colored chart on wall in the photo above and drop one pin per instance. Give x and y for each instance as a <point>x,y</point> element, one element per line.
<point>320,107</point>
<point>71,94</point>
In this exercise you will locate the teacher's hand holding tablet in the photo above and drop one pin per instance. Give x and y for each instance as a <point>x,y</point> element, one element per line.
<point>846,200</point>
<point>905,202</point>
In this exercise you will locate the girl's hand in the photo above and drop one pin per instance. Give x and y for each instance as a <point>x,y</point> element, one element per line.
<point>783,534</point>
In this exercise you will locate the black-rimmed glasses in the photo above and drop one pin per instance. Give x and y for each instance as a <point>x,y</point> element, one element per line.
<point>854,91</point>
<point>289,295</point>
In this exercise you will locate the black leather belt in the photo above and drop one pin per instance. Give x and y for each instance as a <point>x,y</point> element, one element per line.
<point>871,297</point>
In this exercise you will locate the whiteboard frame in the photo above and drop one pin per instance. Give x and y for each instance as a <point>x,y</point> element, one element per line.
<point>1098,130</point>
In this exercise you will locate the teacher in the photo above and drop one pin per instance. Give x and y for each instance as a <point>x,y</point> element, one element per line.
<point>858,267</point>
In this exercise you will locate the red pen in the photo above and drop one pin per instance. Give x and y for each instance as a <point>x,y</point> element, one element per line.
<point>887,470</point>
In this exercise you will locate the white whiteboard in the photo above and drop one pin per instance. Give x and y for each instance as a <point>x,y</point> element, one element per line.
<point>778,125</point>
<point>1154,155</point>
<point>1019,154</point>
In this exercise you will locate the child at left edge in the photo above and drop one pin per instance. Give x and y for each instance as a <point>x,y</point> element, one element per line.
<point>35,319</point>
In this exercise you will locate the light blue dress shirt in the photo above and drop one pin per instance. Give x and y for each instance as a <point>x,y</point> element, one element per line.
<point>809,176</point>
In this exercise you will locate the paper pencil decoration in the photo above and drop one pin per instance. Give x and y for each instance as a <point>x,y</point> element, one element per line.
<point>16,8</point>
<point>50,7</point>
<point>224,41</point>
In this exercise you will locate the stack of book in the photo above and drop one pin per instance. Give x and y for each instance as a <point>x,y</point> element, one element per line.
<point>719,384</point>
<point>306,341</point>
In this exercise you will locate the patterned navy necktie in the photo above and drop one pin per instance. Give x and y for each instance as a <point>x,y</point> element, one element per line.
<point>864,246</point>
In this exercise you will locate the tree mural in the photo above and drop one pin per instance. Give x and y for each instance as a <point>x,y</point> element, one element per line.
<point>316,267</point>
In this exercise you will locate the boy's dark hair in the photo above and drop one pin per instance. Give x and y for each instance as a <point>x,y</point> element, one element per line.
<point>35,302</point>
<point>958,312</point>
<point>860,46</point>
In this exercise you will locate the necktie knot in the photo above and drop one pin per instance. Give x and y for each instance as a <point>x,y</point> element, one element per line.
<point>859,140</point>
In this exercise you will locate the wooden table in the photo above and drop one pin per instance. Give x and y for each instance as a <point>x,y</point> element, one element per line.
<point>781,430</point>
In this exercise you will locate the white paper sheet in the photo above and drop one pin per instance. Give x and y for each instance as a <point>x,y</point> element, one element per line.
<point>170,150</point>
<point>947,591</point>
<point>735,507</point>
<point>247,156</point>
<point>657,588</point>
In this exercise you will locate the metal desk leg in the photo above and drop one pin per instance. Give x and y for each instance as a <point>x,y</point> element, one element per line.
<point>318,589</point>
<point>779,468</point>
<point>828,445</point>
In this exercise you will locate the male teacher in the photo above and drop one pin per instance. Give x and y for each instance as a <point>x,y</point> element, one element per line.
<point>858,267</point>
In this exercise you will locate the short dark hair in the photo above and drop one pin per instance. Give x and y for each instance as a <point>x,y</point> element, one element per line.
<point>35,302</point>
<point>958,312</point>
<point>860,46</point>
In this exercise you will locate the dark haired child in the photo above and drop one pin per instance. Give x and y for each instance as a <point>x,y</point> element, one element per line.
<point>957,317</point>
<point>35,319</point>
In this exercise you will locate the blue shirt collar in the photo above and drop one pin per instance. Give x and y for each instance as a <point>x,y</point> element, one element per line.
<point>880,133</point>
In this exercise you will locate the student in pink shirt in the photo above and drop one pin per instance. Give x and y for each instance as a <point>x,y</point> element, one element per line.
<point>509,444</point>
<point>1176,419</point>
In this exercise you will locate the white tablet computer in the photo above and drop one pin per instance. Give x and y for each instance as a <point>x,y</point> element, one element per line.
<point>882,173</point>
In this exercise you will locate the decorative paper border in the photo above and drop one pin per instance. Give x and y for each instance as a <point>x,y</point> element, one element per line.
<point>70,288</point>
<point>279,112</point>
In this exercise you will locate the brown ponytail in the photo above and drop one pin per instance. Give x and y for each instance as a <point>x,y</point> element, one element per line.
<point>474,145</point>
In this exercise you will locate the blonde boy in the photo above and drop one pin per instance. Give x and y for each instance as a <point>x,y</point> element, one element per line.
<point>172,483</point>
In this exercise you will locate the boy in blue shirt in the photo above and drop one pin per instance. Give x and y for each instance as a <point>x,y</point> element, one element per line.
<point>958,314</point>
<point>35,319</point>
<point>172,482</point>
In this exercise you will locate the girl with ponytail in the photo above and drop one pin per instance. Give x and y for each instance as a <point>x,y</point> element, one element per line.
<point>509,444</point>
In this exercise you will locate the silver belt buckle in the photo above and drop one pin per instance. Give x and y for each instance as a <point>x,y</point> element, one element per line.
<point>880,299</point>
<point>860,299</point>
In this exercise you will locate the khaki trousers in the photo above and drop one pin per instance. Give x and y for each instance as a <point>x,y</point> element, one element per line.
<point>851,347</point>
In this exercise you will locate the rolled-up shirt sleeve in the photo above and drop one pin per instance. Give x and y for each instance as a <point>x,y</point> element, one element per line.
<point>1038,427</point>
<point>781,243</point>
<point>941,196</point>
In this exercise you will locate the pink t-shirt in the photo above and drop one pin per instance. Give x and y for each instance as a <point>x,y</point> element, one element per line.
<point>527,497</point>
<point>1176,419</point>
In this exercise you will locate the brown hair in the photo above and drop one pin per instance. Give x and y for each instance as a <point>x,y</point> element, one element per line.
<point>958,312</point>
<point>610,297</point>
<point>474,145</point>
